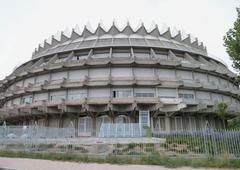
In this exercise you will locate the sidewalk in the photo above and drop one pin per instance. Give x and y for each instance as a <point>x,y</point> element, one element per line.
<point>35,164</point>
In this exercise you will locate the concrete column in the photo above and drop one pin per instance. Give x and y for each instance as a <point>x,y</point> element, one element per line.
<point>76,125</point>
<point>60,121</point>
<point>151,122</point>
<point>94,133</point>
<point>167,123</point>
<point>47,120</point>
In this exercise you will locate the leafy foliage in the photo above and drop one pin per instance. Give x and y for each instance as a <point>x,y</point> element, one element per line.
<point>234,124</point>
<point>232,42</point>
<point>222,112</point>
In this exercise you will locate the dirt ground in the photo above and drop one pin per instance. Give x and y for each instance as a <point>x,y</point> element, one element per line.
<point>35,164</point>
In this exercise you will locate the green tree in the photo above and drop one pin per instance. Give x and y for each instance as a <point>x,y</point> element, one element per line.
<point>222,112</point>
<point>234,123</point>
<point>232,42</point>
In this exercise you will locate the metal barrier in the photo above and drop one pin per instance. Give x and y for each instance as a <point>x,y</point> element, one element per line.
<point>121,130</point>
<point>124,139</point>
<point>14,132</point>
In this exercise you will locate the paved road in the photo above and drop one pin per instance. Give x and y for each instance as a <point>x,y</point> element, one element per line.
<point>35,164</point>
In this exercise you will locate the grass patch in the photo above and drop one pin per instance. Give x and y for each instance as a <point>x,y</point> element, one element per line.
<point>151,159</point>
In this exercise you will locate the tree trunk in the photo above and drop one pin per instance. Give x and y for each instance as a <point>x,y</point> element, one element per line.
<point>224,124</point>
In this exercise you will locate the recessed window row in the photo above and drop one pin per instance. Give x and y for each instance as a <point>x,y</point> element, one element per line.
<point>75,94</point>
<point>166,74</point>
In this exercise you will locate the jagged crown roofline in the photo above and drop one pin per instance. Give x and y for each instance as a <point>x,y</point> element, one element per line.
<point>155,31</point>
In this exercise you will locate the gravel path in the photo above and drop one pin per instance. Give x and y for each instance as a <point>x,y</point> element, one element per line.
<point>35,164</point>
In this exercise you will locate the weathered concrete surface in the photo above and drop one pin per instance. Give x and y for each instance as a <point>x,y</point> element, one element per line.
<point>35,164</point>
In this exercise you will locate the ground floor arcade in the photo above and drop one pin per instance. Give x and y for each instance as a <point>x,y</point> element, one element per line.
<point>90,124</point>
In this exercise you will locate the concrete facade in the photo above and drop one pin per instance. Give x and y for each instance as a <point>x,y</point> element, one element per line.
<point>111,76</point>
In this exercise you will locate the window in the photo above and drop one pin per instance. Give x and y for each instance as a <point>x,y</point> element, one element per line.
<point>84,124</point>
<point>121,119</point>
<point>78,58</point>
<point>159,124</point>
<point>144,118</point>
<point>186,96</point>
<point>144,94</point>
<point>122,93</point>
<point>77,96</point>
<point>57,98</point>
<point>27,100</point>
<point>167,93</point>
<point>60,60</point>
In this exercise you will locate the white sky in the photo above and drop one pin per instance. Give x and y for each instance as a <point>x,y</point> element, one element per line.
<point>26,23</point>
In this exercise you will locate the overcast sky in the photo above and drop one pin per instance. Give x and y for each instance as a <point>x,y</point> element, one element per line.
<point>24,24</point>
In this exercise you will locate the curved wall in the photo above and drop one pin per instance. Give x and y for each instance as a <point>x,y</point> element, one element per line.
<point>84,79</point>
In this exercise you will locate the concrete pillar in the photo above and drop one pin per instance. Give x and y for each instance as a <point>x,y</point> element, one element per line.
<point>94,122</point>
<point>151,122</point>
<point>167,123</point>
<point>60,121</point>
<point>47,120</point>
<point>76,125</point>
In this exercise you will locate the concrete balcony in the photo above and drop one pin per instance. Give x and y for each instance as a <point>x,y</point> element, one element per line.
<point>224,88</point>
<point>189,64</point>
<point>98,101</point>
<point>170,82</point>
<point>172,104</point>
<point>146,61</point>
<point>23,106</point>
<point>101,81</point>
<point>22,73</point>
<point>221,70</point>
<point>207,67</point>
<point>206,102</point>
<point>103,61</point>
<point>37,69</point>
<point>192,83</point>
<point>34,87</point>
<point>169,62</point>
<point>191,102</point>
<point>147,80</point>
<point>9,78</point>
<point>209,85</point>
<point>231,74</point>
<point>36,104</point>
<point>234,91</point>
<point>147,100</point>
<point>54,84</point>
<point>122,100</point>
<point>75,102</point>
<point>233,108</point>
<point>75,63</point>
<point>74,83</point>
<point>53,66</point>
<point>170,101</point>
<point>12,111</point>
<point>1,84</point>
<point>19,90</point>
<point>5,81</point>
<point>122,60</point>
<point>2,96</point>
<point>123,80</point>
<point>4,113</point>
<point>9,93</point>
<point>54,103</point>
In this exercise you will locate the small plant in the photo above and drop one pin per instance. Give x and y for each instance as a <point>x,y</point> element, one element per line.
<point>148,131</point>
<point>131,145</point>
<point>222,112</point>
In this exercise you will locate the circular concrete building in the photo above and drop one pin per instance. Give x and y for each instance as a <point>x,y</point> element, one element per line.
<point>155,78</point>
